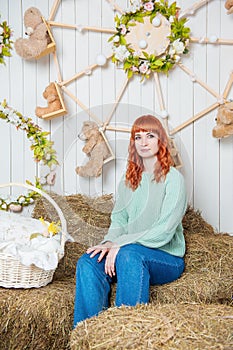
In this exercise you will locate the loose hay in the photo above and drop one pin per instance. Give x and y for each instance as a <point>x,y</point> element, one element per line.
<point>166,327</point>
<point>87,218</point>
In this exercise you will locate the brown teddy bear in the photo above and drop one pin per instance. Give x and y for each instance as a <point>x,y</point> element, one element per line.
<point>224,120</point>
<point>96,149</point>
<point>38,35</point>
<point>52,97</point>
<point>229,6</point>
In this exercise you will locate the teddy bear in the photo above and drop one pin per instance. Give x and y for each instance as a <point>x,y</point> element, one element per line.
<point>224,120</point>
<point>96,149</point>
<point>229,6</point>
<point>39,38</point>
<point>54,104</point>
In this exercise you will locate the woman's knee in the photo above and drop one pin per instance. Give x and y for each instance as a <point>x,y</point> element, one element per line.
<point>85,262</point>
<point>128,255</point>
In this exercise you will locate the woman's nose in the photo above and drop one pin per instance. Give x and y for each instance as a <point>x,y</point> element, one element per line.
<point>144,141</point>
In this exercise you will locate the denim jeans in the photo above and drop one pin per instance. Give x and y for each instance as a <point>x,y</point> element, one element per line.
<point>137,267</point>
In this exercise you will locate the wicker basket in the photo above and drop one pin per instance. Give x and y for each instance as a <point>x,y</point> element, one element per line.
<point>13,274</point>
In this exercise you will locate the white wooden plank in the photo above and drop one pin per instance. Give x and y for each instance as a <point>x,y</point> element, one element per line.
<point>5,129</point>
<point>226,145</point>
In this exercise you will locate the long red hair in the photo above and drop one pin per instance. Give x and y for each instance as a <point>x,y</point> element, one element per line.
<point>135,167</point>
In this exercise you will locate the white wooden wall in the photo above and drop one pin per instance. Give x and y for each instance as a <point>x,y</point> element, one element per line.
<point>208,163</point>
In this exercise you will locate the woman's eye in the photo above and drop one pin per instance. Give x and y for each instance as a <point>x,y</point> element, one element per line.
<point>137,138</point>
<point>150,136</point>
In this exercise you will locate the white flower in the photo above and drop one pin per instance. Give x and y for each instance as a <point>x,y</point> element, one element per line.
<point>134,7</point>
<point>121,53</point>
<point>1,30</point>
<point>13,118</point>
<point>137,53</point>
<point>177,58</point>
<point>171,19</point>
<point>178,46</point>
<point>137,3</point>
<point>24,126</point>
<point>116,39</point>
<point>171,51</point>
<point>21,199</point>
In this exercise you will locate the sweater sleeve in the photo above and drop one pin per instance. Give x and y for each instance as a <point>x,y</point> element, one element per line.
<point>164,228</point>
<point>119,216</point>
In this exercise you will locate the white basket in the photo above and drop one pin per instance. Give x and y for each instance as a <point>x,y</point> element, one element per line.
<point>13,274</point>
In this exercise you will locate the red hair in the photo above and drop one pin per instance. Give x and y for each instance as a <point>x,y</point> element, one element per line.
<point>135,167</point>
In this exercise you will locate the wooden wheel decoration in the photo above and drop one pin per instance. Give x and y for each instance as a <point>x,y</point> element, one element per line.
<point>149,39</point>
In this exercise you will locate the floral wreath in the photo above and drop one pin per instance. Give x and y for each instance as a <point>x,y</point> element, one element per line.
<point>41,147</point>
<point>146,63</point>
<point>5,42</point>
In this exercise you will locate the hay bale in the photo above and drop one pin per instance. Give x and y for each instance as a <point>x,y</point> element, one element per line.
<point>193,222</point>
<point>37,318</point>
<point>41,318</point>
<point>166,327</point>
<point>208,275</point>
<point>88,218</point>
<point>67,265</point>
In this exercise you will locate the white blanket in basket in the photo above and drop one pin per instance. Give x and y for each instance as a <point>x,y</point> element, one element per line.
<point>15,232</point>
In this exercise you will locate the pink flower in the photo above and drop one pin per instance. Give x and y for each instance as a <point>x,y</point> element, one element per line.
<point>134,69</point>
<point>144,68</point>
<point>123,29</point>
<point>1,46</point>
<point>149,6</point>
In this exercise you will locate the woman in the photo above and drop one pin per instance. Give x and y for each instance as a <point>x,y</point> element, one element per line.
<point>145,244</point>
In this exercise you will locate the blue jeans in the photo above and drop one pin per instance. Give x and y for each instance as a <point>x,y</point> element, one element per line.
<point>137,267</point>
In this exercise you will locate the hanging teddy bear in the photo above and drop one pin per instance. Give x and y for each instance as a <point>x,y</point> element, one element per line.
<point>224,120</point>
<point>38,37</point>
<point>53,101</point>
<point>229,6</point>
<point>96,149</point>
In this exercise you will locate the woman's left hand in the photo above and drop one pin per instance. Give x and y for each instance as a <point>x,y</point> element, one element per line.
<point>110,261</point>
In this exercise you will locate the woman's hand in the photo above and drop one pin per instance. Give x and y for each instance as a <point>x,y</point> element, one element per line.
<point>103,249</point>
<point>110,261</point>
<point>109,249</point>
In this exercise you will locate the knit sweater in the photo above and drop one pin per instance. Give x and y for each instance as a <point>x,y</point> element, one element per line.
<point>151,215</point>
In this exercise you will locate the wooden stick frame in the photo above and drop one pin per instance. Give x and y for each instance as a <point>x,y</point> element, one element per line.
<point>209,41</point>
<point>193,8</point>
<point>199,81</point>
<point>82,73</point>
<point>54,9</point>
<point>75,26</point>
<point>115,6</point>
<point>105,126</point>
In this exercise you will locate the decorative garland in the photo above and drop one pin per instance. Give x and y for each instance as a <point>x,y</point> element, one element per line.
<point>41,147</point>
<point>142,63</point>
<point>5,41</point>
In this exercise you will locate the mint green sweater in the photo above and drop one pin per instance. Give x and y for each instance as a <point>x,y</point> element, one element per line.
<point>151,215</point>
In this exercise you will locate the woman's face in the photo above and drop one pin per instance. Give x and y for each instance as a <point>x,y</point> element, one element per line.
<point>146,144</point>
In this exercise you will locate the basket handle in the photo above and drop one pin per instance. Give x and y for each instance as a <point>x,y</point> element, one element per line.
<point>44,194</point>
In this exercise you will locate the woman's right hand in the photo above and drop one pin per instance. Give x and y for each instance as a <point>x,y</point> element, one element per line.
<point>103,249</point>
